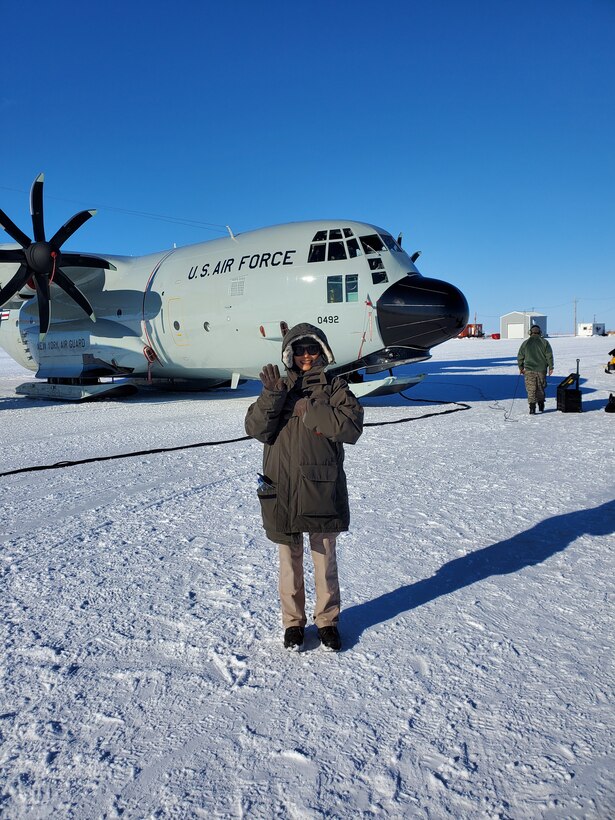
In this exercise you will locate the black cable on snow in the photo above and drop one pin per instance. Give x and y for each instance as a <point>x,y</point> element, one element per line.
<point>59,464</point>
<point>459,406</point>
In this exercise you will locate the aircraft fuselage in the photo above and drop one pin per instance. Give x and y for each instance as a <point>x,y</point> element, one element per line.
<point>216,310</point>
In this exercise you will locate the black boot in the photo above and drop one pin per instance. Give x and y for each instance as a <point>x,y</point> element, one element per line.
<point>532,408</point>
<point>541,406</point>
<point>330,638</point>
<point>293,637</point>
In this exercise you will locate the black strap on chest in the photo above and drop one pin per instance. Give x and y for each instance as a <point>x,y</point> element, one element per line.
<point>312,380</point>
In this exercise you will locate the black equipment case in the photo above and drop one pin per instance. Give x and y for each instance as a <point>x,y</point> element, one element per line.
<point>569,394</point>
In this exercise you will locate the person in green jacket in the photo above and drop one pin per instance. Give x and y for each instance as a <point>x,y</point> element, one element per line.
<point>535,358</point>
<point>304,419</point>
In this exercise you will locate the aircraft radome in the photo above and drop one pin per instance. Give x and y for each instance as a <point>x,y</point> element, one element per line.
<point>213,313</point>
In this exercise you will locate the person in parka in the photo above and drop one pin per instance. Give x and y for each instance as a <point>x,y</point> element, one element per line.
<point>535,358</point>
<point>304,419</point>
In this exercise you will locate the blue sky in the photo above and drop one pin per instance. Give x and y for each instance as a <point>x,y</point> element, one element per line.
<point>484,130</point>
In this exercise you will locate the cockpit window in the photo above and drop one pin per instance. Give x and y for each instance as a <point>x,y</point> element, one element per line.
<point>353,248</point>
<point>391,243</point>
<point>337,250</point>
<point>372,243</point>
<point>318,252</point>
<point>376,243</point>
<point>334,245</point>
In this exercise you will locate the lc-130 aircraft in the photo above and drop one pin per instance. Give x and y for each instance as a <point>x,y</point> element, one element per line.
<point>213,313</point>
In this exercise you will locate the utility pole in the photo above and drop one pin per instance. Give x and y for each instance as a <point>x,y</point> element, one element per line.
<point>575,316</point>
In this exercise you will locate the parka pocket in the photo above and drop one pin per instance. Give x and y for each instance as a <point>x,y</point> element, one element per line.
<point>317,491</point>
<point>268,496</point>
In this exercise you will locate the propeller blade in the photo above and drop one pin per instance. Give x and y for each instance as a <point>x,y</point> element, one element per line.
<point>38,258</point>
<point>15,284</point>
<point>70,227</point>
<point>16,255</point>
<point>81,260</point>
<point>13,231</point>
<point>73,291</point>
<point>36,208</point>
<point>44,304</point>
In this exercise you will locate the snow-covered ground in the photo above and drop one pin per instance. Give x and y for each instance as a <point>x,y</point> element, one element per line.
<point>142,669</point>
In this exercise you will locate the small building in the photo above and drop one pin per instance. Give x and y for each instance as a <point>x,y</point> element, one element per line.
<point>474,331</point>
<point>591,329</point>
<point>516,325</point>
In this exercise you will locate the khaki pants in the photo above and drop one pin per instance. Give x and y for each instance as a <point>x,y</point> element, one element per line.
<point>535,384</point>
<point>292,586</point>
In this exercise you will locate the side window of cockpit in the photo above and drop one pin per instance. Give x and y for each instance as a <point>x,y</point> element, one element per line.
<point>335,289</point>
<point>343,288</point>
<point>376,244</point>
<point>379,275</point>
<point>352,287</point>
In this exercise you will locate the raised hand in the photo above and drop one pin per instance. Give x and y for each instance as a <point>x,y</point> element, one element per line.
<point>270,377</point>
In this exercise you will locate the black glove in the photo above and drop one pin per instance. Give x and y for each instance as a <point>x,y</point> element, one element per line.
<point>271,379</point>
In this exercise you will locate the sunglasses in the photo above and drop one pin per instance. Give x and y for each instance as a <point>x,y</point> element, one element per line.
<point>300,350</point>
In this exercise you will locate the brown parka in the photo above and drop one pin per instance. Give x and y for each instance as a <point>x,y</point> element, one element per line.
<point>303,459</point>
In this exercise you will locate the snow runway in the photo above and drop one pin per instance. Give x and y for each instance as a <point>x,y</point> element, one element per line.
<point>143,673</point>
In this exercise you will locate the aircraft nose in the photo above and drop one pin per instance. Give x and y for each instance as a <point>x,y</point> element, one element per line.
<point>421,312</point>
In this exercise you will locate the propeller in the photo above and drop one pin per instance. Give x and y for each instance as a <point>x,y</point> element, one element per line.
<point>41,261</point>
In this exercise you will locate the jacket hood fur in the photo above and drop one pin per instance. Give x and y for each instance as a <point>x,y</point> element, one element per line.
<point>305,331</point>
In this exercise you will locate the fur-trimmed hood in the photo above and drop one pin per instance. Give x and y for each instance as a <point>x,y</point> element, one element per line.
<point>305,331</point>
